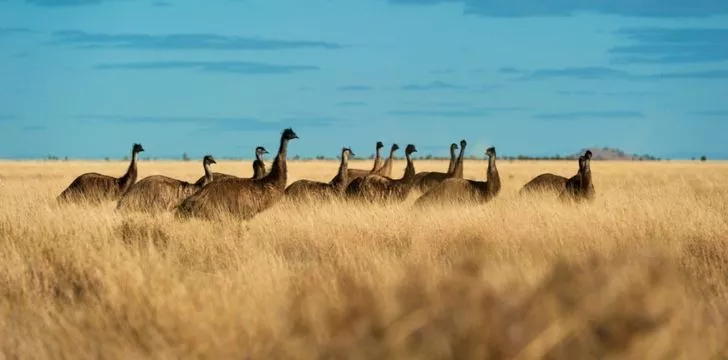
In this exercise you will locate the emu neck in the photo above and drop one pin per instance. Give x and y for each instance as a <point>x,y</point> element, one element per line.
<point>458,168</point>
<point>258,166</point>
<point>451,166</point>
<point>341,178</point>
<point>130,176</point>
<point>208,174</point>
<point>279,171</point>
<point>386,169</point>
<point>377,160</point>
<point>586,177</point>
<point>409,171</point>
<point>494,183</point>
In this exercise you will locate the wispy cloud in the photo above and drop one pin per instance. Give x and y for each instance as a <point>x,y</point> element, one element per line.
<point>352,104</point>
<point>672,46</point>
<point>580,115</point>
<point>434,85</point>
<point>54,3</point>
<point>587,72</point>
<point>441,113</point>
<point>85,40</point>
<point>454,112</point>
<point>214,123</point>
<point>705,75</point>
<point>234,67</point>
<point>355,88</point>
<point>510,70</point>
<point>602,93</point>
<point>443,104</point>
<point>442,71</point>
<point>641,8</point>
<point>7,117</point>
<point>602,73</point>
<point>711,113</point>
<point>14,31</point>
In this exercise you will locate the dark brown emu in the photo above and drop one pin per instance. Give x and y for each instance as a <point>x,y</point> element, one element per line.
<point>580,186</point>
<point>426,180</point>
<point>158,193</point>
<point>96,188</point>
<point>551,183</point>
<point>240,197</point>
<point>456,190</point>
<point>258,167</point>
<point>357,173</point>
<point>306,190</point>
<point>377,188</point>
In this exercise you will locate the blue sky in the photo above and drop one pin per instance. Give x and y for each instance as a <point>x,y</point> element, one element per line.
<point>87,78</point>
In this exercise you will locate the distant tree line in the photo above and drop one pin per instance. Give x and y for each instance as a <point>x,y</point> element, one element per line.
<point>613,153</point>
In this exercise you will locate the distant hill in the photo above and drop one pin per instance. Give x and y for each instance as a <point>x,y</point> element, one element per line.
<point>604,153</point>
<point>607,153</point>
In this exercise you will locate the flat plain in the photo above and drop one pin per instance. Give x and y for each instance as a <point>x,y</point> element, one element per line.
<point>640,273</point>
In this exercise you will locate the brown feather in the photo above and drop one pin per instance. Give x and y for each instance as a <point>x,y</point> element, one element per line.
<point>458,191</point>
<point>308,190</point>
<point>426,180</point>
<point>258,168</point>
<point>352,174</point>
<point>158,193</point>
<point>377,188</point>
<point>580,186</point>
<point>243,198</point>
<point>96,188</point>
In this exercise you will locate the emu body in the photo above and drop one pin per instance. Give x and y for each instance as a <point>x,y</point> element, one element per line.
<point>352,174</point>
<point>158,193</point>
<point>456,190</point>
<point>547,182</point>
<point>580,186</point>
<point>552,183</point>
<point>97,188</point>
<point>377,188</point>
<point>425,181</point>
<point>302,190</point>
<point>258,167</point>
<point>239,197</point>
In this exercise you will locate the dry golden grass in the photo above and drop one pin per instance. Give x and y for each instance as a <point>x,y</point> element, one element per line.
<point>641,273</point>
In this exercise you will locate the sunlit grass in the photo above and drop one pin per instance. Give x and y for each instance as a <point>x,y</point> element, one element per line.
<point>640,273</point>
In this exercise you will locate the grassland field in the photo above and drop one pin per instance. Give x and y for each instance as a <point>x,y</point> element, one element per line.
<point>640,273</point>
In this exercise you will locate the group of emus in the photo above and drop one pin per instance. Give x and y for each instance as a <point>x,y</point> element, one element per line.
<point>215,193</point>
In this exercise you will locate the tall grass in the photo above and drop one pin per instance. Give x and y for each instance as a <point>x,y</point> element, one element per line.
<point>641,273</point>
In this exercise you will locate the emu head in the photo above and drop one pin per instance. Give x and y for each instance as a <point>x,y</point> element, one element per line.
<point>288,134</point>
<point>137,148</point>
<point>582,161</point>
<point>410,149</point>
<point>453,147</point>
<point>208,159</point>
<point>260,150</point>
<point>588,154</point>
<point>463,144</point>
<point>379,145</point>
<point>395,147</point>
<point>347,150</point>
<point>490,151</point>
